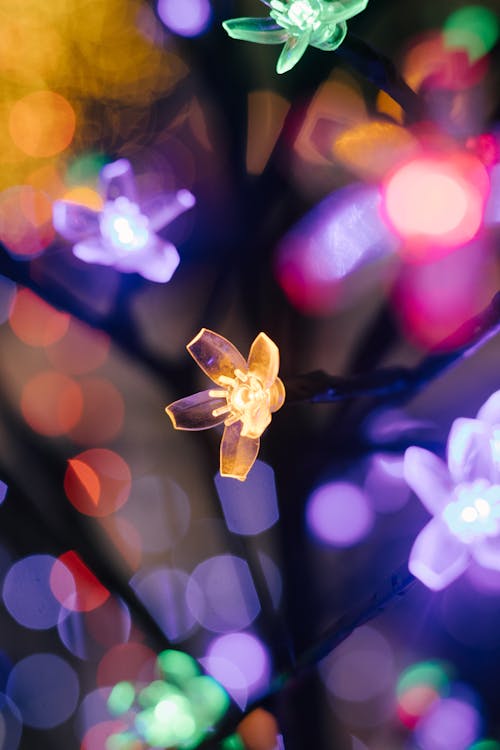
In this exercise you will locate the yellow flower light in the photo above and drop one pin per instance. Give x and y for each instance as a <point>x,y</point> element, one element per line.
<point>248,392</point>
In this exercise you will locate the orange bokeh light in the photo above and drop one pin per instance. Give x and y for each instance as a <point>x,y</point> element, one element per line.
<point>35,322</point>
<point>102,414</point>
<point>42,123</point>
<point>74,585</point>
<point>25,220</point>
<point>84,196</point>
<point>97,482</point>
<point>51,403</point>
<point>131,661</point>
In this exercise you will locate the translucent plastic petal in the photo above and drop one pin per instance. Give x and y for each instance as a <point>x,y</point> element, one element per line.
<point>195,412</point>
<point>165,207</point>
<point>255,421</point>
<point>260,30</point>
<point>428,477</point>
<point>487,552</point>
<point>490,410</point>
<point>73,221</point>
<point>264,360</point>
<point>93,251</point>
<point>335,39</point>
<point>437,557</point>
<point>469,451</point>
<point>277,395</point>
<point>292,52</point>
<point>159,265</point>
<point>118,179</point>
<point>215,355</point>
<point>237,453</point>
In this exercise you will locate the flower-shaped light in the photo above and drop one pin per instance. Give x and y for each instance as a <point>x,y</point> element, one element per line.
<point>123,233</point>
<point>248,392</point>
<point>462,495</point>
<point>297,24</point>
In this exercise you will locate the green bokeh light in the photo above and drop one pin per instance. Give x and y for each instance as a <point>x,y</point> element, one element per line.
<point>121,698</point>
<point>155,692</point>
<point>485,745</point>
<point>473,28</point>
<point>177,666</point>
<point>434,674</point>
<point>234,742</point>
<point>84,170</point>
<point>209,699</point>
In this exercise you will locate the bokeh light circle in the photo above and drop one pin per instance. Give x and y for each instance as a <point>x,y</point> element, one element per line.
<point>26,227</point>
<point>436,200</point>
<point>27,593</point>
<point>51,403</point>
<point>11,725</point>
<point>339,514</point>
<point>240,662</point>
<point>451,724</point>
<point>97,482</point>
<point>74,585</point>
<point>163,592</point>
<point>35,322</point>
<point>126,662</point>
<point>45,689</point>
<point>185,18</point>
<point>42,123</point>
<point>221,594</point>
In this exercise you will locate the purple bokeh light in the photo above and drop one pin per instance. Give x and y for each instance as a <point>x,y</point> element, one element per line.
<point>27,593</point>
<point>249,507</point>
<point>185,17</point>
<point>240,662</point>
<point>361,668</point>
<point>163,592</point>
<point>340,514</point>
<point>451,724</point>
<point>92,710</point>
<point>76,628</point>
<point>11,725</point>
<point>385,483</point>
<point>221,594</point>
<point>45,689</point>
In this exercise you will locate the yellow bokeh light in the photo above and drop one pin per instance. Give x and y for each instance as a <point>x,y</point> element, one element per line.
<point>42,123</point>
<point>85,196</point>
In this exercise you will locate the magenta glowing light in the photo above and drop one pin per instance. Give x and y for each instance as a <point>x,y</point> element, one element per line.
<point>339,514</point>
<point>185,17</point>
<point>436,202</point>
<point>463,496</point>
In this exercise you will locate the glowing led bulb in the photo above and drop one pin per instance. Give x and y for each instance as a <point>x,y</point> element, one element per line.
<point>123,225</point>
<point>297,24</point>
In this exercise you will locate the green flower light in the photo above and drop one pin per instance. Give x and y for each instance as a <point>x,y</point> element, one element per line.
<point>298,24</point>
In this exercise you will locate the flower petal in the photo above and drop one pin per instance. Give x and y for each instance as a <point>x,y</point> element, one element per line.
<point>428,477</point>
<point>490,410</point>
<point>215,355</point>
<point>292,52</point>
<point>260,30</point>
<point>487,552</point>
<point>156,264</point>
<point>118,179</point>
<point>437,557</point>
<point>93,251</point>
<point>264,360</point>
<point>337,37</point>
<point>74,221</point>
<point>237,453</point>
<point>165,207</point>
<point>277,395</point>
<point>469,451</point>
<point>195,412</point>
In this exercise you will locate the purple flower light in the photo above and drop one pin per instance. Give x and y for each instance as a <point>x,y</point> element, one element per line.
<point>123,234</point>
<point>463,496</point>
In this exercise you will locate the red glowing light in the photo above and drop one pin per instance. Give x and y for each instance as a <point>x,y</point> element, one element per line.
<point>74,585</point>
<point>131,662</point>
<point>436,201</point>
